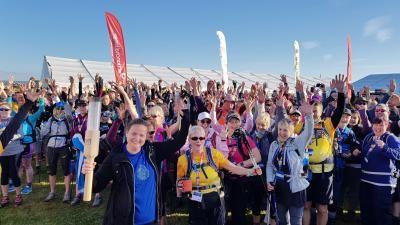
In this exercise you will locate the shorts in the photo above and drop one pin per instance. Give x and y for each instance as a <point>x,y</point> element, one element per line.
<point>64,154</point>
<point>320,190</point>
<point>28,151</point>
<point>38,147</point>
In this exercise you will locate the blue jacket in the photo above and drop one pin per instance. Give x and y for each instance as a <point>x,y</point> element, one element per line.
<point>30,122</point>
<point>378,164</point>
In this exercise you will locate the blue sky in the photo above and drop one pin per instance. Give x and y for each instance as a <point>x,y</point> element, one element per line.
<point>259,34</point>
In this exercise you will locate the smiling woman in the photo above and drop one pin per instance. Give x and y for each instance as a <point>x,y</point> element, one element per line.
<point>10,147</point>
<point>198,177</point>
<point>135,169</point>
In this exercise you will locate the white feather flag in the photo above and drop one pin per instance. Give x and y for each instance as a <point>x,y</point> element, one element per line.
<point>224,59</point>
<point>296,60</point>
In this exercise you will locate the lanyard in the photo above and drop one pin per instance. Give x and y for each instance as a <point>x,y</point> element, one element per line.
<point>281,157</point>
<point>80,124</point>
<point>197,170</point>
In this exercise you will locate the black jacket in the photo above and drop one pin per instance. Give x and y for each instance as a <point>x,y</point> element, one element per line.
<point>117,167</point>
<point>14,124</point>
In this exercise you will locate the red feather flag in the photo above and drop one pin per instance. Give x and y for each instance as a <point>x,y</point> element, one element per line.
<point>117,48</point>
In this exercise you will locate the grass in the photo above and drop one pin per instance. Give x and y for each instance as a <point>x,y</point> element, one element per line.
<point>34,211</point>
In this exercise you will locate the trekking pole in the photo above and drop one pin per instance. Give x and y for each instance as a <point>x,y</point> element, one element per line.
<point>268,213</point>
<point>253,160</point>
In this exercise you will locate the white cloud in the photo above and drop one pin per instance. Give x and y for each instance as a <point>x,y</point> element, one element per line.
<point>384,35</point>
<point>310,44</point>
<point>327,57</point>
<point>378,28</point>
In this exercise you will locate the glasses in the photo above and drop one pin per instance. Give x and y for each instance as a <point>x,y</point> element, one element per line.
<point>154,116</point>
<point>380,110</point>
<point>150,106</point>
<point>4,109</point>
<point>197,138</point>
<point>152,132</point>
<point>362,103</point>
<point>206,121</point>
<point>59,108</point>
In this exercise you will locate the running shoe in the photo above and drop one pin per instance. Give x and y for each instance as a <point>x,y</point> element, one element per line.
<point>26,190</point>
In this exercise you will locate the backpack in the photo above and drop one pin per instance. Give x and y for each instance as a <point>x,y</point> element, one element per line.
<point>33,134</point>
<point>321,143</point>
<point>210,162</point>
<point>48,136</point>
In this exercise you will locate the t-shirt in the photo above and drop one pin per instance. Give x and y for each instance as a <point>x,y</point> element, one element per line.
<point>104,127</point>
<point>234,153</point>
<point>213,177</point>
<point>145,188</point>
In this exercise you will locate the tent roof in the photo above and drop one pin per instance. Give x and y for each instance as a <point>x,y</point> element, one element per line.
<point>377,81</point>
<point>61,68</point>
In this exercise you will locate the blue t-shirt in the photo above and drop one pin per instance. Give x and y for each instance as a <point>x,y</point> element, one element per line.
<point>145,188</point>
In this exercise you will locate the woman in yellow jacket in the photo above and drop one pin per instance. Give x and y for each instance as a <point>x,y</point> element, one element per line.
<point>198,176</point>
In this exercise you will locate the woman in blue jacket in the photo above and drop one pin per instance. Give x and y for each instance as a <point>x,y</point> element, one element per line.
<point>380,150</point>
<point>29,142</point>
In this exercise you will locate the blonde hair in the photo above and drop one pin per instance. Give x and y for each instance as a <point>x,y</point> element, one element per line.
<point>194,129</point>
<point>286,123</point>
<point>384,106</point>
<point>157,110</point>
<point>264,118</point>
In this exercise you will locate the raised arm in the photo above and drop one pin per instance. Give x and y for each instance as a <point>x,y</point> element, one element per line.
<point>304,138</point>
<point>165,149</point>
<point>16,121</point>
<point>128,101</point>
<point>339,83</point>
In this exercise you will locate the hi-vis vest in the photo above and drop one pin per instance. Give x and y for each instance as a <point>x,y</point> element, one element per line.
<point>321,160</point>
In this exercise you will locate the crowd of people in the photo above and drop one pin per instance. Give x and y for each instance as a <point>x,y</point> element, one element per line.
<point>304,155</point>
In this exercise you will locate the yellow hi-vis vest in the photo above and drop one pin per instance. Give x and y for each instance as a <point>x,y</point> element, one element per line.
<point>321,160</point>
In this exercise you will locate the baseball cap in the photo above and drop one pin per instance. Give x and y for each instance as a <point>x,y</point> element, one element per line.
<point>203,115</point>
<point>295,112</point>
<point>230,98</point>
<point>347,111</point>
<point>232,115</point>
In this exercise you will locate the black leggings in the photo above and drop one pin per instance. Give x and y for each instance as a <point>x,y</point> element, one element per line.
<point>9,169</point>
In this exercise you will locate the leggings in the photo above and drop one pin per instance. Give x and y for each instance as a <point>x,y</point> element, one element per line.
<point>10,165</point>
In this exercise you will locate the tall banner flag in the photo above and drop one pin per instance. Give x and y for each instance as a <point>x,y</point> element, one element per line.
<point>224,59</point>
<point>117,48</point>
<point>349,67</point>
<point>296,60</point>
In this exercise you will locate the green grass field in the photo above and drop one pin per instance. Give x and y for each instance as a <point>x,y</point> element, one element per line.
<point>35,211</point>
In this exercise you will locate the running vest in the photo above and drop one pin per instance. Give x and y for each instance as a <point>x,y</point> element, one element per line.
<point>321,159</point>
<point>207,169</point>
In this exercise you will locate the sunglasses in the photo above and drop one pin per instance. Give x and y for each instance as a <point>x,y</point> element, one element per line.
<point>206,121</point>
<point>361,103</point>
<point>4,109</point>
<point>380,110</point>
<point>154,116</point>
<point>197,138</point>
<point>152,132</point>
<point>60,108</point>
<point>150,106</point>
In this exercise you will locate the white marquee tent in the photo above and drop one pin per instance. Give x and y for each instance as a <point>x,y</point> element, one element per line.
<point>61,68</point>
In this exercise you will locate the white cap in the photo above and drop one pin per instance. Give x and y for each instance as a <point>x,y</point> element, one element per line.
<point>203,115</point>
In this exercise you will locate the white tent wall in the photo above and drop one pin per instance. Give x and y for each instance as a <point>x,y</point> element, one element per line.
<point>61,69</point>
